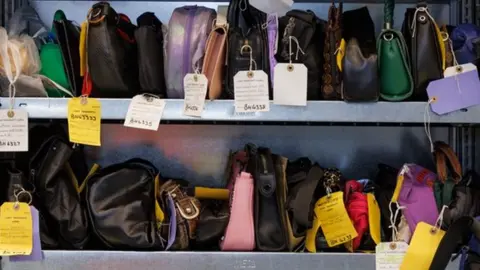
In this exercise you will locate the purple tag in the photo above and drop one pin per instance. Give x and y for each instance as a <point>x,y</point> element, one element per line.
<point>173,222</point>
<point>454,93</point>
<point>37,254</point>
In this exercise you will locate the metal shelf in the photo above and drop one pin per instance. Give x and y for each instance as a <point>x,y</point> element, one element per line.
<point>223,110</point>
<point>87,260</point>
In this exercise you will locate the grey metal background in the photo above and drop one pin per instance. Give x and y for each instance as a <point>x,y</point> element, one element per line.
<point>198,153</point>
<point>91,260</point>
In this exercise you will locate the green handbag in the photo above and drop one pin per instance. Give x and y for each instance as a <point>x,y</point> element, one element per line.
<point>396,81</point>
<point>53,67</point>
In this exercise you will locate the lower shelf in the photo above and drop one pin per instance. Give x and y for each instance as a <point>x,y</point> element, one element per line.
<point>99,260</point>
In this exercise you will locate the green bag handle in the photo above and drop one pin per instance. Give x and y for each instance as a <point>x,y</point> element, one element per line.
<point>396,81</point>
<point>388,9</point>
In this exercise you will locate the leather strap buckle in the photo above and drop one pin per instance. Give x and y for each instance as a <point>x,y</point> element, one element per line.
<point>189,210</point>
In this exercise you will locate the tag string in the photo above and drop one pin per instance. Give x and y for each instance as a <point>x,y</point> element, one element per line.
<point>458,67</point>
<point>426,123</point>
<point>439,222</point>
<point>290,53</point>
<point>414,25</point>
<point>393,219</point>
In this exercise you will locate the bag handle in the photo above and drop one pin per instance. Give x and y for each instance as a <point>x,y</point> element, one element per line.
<point>442,153</point>
<point>388,11</point>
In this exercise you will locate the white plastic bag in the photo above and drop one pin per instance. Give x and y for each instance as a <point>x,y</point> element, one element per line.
<point>280,7</point>
<point>19,64</point>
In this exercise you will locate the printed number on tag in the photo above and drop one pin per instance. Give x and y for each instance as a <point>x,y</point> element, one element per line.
<point>13,131</point>
<point>334,220</point>
<point>195,87</point>
<point>290,84</point>
<point>251,91</point>
<point>16,236</point>
<point>84,121</point>
<point>389,255</point>
<point>144,112</point>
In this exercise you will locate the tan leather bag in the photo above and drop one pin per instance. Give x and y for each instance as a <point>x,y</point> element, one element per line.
<point>214,61</point>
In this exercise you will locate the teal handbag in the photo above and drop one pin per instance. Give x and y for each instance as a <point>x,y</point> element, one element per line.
<point>396,81</point>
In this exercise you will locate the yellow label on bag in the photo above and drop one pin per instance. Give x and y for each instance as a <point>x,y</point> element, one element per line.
<point>374,218</point>
<point>398,188</point>
<point>341,54</point>
<point>16,229</point>
<point>83,48</point>
<point>84,121</point>
<point>424,244</point>
<point>334,220</point>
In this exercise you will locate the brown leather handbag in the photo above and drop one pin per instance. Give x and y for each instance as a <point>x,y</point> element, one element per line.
<point>331,79</point>
<point>214,61</point>
<point>187,210</point>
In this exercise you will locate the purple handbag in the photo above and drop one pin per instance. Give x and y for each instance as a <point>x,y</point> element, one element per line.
<point>417,196</point>
<point>188,31</point>
<point>272,30</point>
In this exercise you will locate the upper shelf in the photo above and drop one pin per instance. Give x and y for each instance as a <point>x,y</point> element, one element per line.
<point>223,110</point>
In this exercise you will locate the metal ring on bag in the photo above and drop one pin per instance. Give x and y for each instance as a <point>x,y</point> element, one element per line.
<point>389,38</point>
<point>422,18</point>
<point>445,36</point>
<point>17,196</point>
<point>245,47</point>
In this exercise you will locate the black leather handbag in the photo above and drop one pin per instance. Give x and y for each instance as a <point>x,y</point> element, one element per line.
<point>270,215</point>
<point>427,51</point>
<point>309,30</point>
<point>211,224</point>
<point>360,74</point>
<point>57,169</point>
<point>121,204</point>
<point>245,29</point>
<point>149,39</point>
<point>111,53</point>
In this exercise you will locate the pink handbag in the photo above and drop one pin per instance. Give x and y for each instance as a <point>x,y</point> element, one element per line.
<point>240,232</point>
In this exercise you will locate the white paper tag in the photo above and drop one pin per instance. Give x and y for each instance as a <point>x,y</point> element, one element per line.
<point>290,84</point>
<point>251,91</point>
<point>13,131</point>
<point>195,88</point>
<point>455,70</point>
<point>144,112</point>
<point>389,255</point>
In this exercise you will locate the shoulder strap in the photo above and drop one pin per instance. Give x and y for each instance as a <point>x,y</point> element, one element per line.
<point>442,154</point>
<point>458,233</point>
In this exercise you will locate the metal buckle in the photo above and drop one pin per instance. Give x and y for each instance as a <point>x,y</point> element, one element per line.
<point>193,212</point>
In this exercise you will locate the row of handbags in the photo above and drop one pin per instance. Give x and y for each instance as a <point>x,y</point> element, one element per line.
<point>195,44</point>
<point>271,205</point>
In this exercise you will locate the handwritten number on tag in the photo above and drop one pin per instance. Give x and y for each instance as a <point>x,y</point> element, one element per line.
<point>251,91</point>
<point>13,131</point>
<point>195,88</point>
<point>144,112</point>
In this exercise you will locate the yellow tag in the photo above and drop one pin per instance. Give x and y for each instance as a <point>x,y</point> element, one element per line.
<point>341,54</point>
<point>374,218</point>
<point>83,48</point>
<point>16,229</point>
<point>334,220</point>
<point>422,248</point>
<point>398,188</point>
<point>84,121</point>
